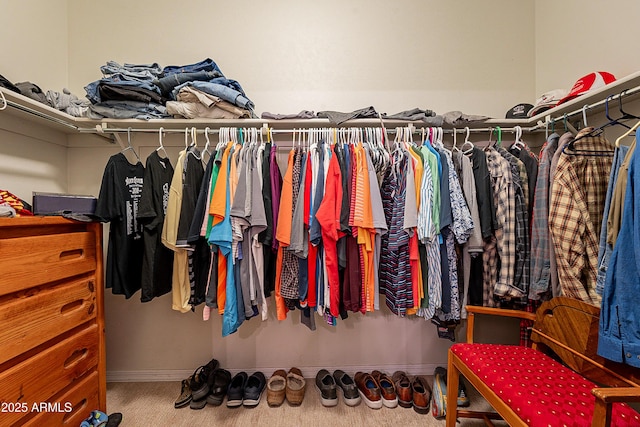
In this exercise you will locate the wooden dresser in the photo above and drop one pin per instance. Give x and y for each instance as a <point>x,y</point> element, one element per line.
<point>52,352</point>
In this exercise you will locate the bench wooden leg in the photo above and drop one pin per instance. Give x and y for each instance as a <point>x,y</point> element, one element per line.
<point>453,377</point>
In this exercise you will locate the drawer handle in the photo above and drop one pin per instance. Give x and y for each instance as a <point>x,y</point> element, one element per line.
<point>76,408</point>
<point>71,306</point>
<point>73,253</point>
<point>76,357</point>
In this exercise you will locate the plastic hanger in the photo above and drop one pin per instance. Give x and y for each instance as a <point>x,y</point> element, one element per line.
<point>455,142</point>
<point>129,146</point>
<point>624,135</point>
<point>161,147</point>
<point>4,101</point>
<point>194,135</point>
<point>207,145</point>
<point>584,115</point>
<point>498,131</point>
<point>467,142</point>
<point>518,144</point>
<point>597,131</point>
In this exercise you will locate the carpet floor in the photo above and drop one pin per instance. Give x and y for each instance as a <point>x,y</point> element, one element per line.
<point>151,404</point>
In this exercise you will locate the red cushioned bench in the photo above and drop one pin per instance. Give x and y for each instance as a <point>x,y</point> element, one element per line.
<point>560,381</point>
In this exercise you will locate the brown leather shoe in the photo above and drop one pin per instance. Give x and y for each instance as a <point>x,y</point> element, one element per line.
<point>421,395</point>
<point>403,389</point>
<point>387,389</point>
<point>368,389</point>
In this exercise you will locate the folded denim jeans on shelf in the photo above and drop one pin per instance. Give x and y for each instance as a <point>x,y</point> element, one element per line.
<point>127,110</point>
<point>139,71</point>
<point>204,65</point>
<point>168,83</point>
<point>123,80</point>
<point>228,94</point>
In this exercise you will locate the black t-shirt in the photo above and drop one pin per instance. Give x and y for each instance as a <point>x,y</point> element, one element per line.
<point>157,262</point>
<point>192,179</point>
<point>118,203</point>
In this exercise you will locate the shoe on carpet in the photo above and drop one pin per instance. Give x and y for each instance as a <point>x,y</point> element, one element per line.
<point>114,420</point>
<point>235,394</point>
<point>200,383</point>
<point>421,395</point>
<point>348,388</point>
<point>439,399</point>
<point>96,419</point>
<point>276,388</point>
<point>253,389</point>
<point>403,389</point>
<point>387,389</point>
<point>218,385</point>
<point>185,395</point>
<point>326,385</point>
<point>369,390</point>
<point>296,385</point>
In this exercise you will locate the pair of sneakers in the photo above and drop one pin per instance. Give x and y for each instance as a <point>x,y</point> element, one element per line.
<point>328,386</point>
<point>245,390</point>
<point>286,385</point>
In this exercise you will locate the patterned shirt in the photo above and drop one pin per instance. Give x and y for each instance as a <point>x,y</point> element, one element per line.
<point>578,194</point>
<point>504,201</point>
<point>462,221</point>
<point>519,177</point>
<point>540,253</point>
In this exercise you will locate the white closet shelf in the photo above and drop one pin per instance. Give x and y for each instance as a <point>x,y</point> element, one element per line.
<point>29,109</point>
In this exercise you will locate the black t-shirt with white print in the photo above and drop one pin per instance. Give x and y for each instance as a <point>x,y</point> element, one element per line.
<point>118,203</point>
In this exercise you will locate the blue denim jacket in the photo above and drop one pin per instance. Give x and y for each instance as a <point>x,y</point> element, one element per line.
<point>619,332</point>
<point>604,249</point>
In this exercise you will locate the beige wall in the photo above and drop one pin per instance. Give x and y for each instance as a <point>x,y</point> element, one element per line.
<point>33,48</point>
<point>576,37</point>
<point>478,57</point>
<point>294,55</point>
<point>34,45</point>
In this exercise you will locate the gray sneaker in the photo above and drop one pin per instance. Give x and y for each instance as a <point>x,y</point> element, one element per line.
<point>348,387</point>
<point>326,385</point>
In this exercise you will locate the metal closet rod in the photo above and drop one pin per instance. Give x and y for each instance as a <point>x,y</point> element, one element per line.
<point>306,130</point>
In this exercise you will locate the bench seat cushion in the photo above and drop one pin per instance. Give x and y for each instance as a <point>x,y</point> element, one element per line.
<point>540,390</point>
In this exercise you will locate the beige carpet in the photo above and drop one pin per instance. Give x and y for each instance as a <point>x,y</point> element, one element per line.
<point>151,404</point>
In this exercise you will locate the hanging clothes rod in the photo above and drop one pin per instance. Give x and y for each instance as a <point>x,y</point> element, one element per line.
<point>390,130</point>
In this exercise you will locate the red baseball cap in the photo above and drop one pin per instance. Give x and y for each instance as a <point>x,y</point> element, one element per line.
<point>587,83</point>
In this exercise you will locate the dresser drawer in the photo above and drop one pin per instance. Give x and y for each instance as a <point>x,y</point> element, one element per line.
<point>32,317</point>
<point>47,373</point>
<point>79,401</point>
<point>35,260</point>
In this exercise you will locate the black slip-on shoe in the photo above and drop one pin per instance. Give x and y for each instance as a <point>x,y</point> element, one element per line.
<point>235,394</point>
<point>253,389</point>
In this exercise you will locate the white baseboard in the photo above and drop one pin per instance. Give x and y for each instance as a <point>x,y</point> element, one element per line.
<point>307,372</point>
